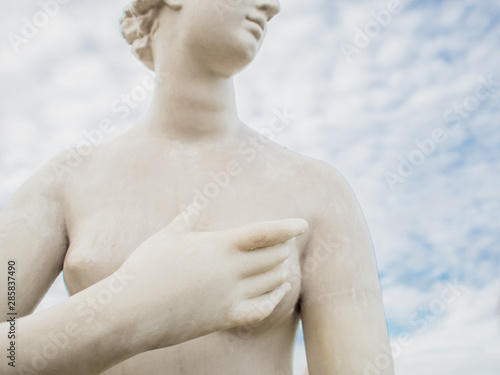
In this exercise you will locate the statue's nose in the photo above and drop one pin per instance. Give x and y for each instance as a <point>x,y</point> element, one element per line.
<point>270,7</point>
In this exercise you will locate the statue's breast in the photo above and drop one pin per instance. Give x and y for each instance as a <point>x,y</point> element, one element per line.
<point>95,252</point>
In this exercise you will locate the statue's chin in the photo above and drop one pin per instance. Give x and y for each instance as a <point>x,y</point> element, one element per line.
<point>239,58</point>
<point>226,58</point>
<point>230,64</point>
<point>230,71</point>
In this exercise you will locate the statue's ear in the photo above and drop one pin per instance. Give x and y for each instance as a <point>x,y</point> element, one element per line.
<point>174,4</point>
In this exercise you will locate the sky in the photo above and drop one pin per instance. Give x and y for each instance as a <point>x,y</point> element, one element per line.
<point>402,97</point>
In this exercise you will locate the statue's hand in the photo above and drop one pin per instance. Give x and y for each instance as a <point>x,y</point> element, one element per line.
<point>188,284</point>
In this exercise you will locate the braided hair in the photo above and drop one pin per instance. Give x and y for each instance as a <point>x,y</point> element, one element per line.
<point>138,23</point>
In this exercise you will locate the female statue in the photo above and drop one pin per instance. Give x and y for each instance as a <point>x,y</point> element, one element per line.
<point>192,150</point>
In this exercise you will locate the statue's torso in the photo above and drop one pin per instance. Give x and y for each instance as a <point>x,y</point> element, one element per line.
<point>127,190</point>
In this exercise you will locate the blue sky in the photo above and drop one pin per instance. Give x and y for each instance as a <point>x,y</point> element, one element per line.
<point>436,223</point>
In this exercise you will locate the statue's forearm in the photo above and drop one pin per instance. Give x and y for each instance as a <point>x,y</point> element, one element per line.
<point>86,334</point>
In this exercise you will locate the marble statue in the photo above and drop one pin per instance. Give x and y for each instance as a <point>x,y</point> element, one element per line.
<point>190,244</point>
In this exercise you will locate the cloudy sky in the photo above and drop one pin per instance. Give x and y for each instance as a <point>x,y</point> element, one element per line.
<point>403,97</point>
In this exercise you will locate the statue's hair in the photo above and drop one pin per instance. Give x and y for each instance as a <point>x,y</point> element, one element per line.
<point>138,23</point>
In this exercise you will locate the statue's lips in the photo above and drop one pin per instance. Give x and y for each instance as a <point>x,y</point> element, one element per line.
<point>257,29</point>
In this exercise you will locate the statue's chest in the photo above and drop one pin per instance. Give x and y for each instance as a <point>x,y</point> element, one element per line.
<point>106,223</point>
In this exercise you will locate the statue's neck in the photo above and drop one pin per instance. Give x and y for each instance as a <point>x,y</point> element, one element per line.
<point>192,106</point>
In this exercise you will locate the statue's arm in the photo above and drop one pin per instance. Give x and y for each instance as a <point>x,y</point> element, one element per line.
<point>342,313</point>
<point>60,340</point>
<point>33,234</point>
<point>33,244</point>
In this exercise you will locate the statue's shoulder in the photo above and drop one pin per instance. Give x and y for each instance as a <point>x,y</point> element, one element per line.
<point>90,154</point>
<point>312,168</point>
<point>321,181</point>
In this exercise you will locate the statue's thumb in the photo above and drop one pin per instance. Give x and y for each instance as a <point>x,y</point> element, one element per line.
<point>185,221</point>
